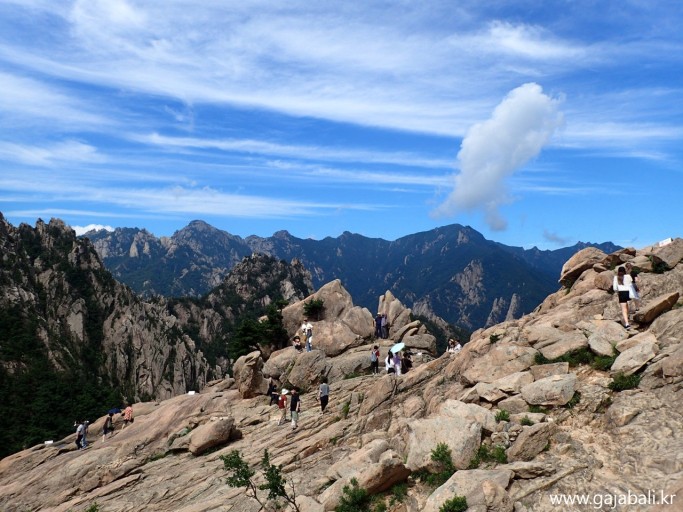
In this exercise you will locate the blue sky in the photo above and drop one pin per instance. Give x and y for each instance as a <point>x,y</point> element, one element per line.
<point>536,123</point>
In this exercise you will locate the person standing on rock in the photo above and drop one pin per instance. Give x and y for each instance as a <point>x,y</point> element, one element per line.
<point>622,285</point>
<point>282,405</point>
<point>389,363</point>
<point>378,326</point>
<point>323,394</point>
<point>397,363</point>
<point>374,360</point>
<point>79,435</point>
<point>127,415</point>
<point>307,333</point>
<point>272,391</point>
<point>84,439</point>
<point>635,291</point>
<point>108,426</point>
<point>384,326</point>
<point>295,408</point>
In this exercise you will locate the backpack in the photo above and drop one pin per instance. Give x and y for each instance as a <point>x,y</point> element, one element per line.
<point>373,356</point>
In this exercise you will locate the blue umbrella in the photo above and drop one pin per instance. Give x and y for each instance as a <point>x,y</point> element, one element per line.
<point>398,347</point>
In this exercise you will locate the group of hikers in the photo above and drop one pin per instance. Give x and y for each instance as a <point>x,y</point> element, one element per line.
<point>107,429</point>
<point>397,362</point>
<point>280,399</point>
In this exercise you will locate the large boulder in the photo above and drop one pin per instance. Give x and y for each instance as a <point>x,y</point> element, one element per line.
<point>513,383</point>
<point>248,376</point>
<point>553,342</point>
<point>463,437</point>
<point>213,433</point>
<point>655,307</point>
<point>500,361</point>
<point>375,467</point>
<point>342,324</point>
<point>670,254</point>
<point>553,390</point>
<point>469,412</point>
<point>531,441</point>
<point>475,486</point>
<point>634,358</point>
<point>398,315</point>
<point>605,336</point>
<point>421,343</point>
<point>579,263</point>
<point>541,371</point>
<point>307,369</point>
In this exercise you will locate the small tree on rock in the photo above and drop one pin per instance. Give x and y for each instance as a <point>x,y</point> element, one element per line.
<point>314,308</point>
<point>241,475</point>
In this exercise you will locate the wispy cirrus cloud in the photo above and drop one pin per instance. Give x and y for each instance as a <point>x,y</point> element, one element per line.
<point>65,152</point>
<point>299,152</point>
<point>26,101</point>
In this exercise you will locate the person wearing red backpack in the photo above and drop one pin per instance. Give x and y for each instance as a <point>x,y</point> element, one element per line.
<point>282,405</point>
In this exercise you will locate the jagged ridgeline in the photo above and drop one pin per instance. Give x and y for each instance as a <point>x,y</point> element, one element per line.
<point>74,342</point>
<point>451,272</point>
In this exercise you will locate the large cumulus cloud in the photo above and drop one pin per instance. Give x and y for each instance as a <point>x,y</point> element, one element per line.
<point>520,126</point>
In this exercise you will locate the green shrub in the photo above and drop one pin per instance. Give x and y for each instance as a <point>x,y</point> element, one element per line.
<point>442,456</point>
<point>93,508</point>
<point>575,358</point>
<point>456,504</point>
<point>574,400</point>
<point>526,421</point>
<point>538,409</point>
<point>353,499</point>
<point>541,359</point>
<point>489,454</point>
<point>494,338</point>
<point>621,382</point>
<point>398,493</point>
<point>502,415</point>
<point>345,409</point>
<point>603,363</point>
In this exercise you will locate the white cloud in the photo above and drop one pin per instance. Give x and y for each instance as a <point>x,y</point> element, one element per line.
<point>27,101</point>
<point>70,151</point>
<point>81,230</point>
<point>493,150</point>
<point>301,152</point>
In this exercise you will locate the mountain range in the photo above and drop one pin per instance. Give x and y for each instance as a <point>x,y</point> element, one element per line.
<point>451,272</point>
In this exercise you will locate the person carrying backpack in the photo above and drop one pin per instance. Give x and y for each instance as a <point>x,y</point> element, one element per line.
<point>79,435</point>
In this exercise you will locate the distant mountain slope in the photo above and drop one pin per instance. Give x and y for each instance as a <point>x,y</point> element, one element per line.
<point>452,271</point>
<point>73,341</point>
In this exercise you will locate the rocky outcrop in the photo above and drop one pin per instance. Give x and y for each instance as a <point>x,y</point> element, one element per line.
<point>582,438</point>
<point>248,375</point>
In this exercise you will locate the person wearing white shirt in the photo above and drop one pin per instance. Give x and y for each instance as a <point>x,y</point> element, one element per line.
<point>623,284</point>
<point>307,333</point>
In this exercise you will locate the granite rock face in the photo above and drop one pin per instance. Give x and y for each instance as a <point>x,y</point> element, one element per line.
<point>382,429</point>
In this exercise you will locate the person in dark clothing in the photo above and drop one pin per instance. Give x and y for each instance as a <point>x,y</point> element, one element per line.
<point>272,391</point>
<point>295,407</point>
